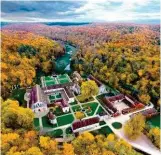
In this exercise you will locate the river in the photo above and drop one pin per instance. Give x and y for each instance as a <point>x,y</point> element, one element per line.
<point>63,62</point>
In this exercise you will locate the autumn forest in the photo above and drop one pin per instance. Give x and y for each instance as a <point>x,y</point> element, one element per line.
<point>123,56</point>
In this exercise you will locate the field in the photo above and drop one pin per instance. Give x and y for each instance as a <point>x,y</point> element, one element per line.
<point>64,120</point>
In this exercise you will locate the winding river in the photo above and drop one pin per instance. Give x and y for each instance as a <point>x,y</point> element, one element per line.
<point>63,62</point>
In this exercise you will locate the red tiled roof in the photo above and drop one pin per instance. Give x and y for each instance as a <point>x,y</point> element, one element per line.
<point>86,122</point>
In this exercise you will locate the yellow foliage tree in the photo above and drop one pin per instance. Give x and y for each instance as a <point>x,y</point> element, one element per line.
<point>68,149</point>
<point>134,127</point>
<point>145,98</point>
<point>154,135</point>
<point>79,115</point>
<point>33,151</point>
<point>16,117</point>
<point>88,89</point>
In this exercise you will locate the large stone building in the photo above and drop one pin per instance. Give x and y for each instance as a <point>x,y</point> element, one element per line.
<point>54,91</point>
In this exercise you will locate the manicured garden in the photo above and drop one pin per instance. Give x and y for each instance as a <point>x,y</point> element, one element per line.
<point>76,108</point>
<point>90,108</point>
<point>64,120</point>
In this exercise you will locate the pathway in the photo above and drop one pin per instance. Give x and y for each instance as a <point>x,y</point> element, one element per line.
<point>142,143</point>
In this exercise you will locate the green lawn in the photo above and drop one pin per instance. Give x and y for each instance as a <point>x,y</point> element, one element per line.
<point>46,123</point>
<point>50,83</point>
<point>92,105</point>
<point>100,110</point>
<point>36,122</point>
<point>64,120</point>
<point>154,121</point>
<point>18,94</point>
<point>117,125</point>
<point>76,108</point>
<point>56,133</point>
<point>63,81</point>
<point>47,78</point>
<point>105,130</point>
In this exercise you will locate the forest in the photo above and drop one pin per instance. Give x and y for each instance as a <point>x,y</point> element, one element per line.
<point>24,53</point>
<point>136,47</point>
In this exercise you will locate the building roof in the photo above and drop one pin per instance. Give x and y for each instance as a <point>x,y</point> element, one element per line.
<point>85,122</point>
<point>37,95</point>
